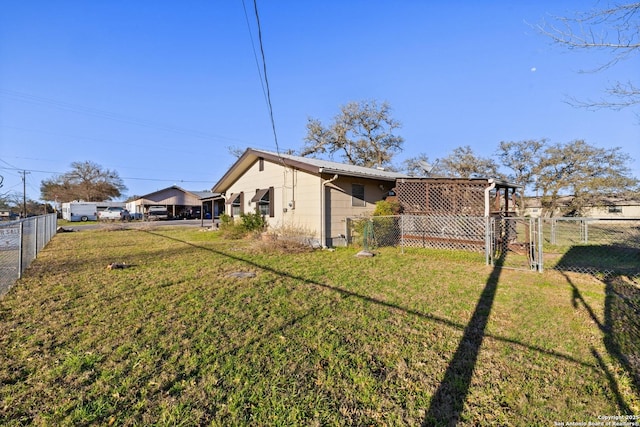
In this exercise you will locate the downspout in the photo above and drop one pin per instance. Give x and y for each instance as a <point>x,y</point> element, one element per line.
<point>487,230</point>
<point>486,196</point>
<point>323,215</point>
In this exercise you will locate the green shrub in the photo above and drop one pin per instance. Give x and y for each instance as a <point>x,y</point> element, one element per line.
<point>249,223</point>
<point>225,219</point>
<point>253,222</point>
<point>229,228</point>
<point>387,208</point>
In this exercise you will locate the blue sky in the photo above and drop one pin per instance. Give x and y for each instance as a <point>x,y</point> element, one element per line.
<point>157,90</point>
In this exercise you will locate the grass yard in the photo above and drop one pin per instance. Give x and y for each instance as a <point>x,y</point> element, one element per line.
<point>316,338</point>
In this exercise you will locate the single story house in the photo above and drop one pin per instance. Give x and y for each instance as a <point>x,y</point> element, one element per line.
<point>180,203</point>
<point>611,207</point>
<point>312,195</point>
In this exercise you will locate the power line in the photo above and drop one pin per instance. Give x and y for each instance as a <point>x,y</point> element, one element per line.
<point>255,54</point>
<point>81,109</point>
<point>123,177</point>
<point>266,79</point>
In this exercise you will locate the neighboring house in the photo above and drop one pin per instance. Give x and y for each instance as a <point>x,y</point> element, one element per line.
<point>615,208</point>
<point>178,201</point>
<point>610,208</point>
<point>315,196</point>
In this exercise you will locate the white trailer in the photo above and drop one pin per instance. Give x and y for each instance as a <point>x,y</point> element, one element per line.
<point>80,211</point>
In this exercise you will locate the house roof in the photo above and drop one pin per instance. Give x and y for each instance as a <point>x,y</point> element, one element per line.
<point>204,194</point>
<point>198,194</point>
<point>307,164</point>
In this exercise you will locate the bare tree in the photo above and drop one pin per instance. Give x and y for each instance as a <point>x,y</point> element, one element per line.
<point>363,133</point>
<point>86,181</point>
<point>615,29</point>
<point>235,151</point>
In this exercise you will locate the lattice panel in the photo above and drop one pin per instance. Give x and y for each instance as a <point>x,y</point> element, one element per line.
<point>451,232</point>
<point>441,197</point>
<point>444,232</point>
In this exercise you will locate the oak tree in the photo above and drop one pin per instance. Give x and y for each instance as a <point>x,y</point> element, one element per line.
<point>589,174</point>
<point>523,159</point>
<point>86,181</point>
<point>464,163</point>
<point>362,133</point>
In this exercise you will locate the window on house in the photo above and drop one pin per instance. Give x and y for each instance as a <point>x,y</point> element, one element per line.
<point>264,201</point>
<point>615,209</point>
<point>357,195</point>
<point>236,204</point>
<point>260,164</point>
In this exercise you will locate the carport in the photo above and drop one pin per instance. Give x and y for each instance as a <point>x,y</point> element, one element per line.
<point>180,203</point>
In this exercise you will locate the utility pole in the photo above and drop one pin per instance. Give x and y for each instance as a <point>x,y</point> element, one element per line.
<point>24,193</point>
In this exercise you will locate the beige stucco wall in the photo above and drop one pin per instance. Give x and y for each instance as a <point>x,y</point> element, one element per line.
<point>296,195</point>
<point>628,211</point>
<point>297,198</point>
<point>339,204</point>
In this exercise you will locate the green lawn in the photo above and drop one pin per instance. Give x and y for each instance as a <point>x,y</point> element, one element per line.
<point>315,338</point>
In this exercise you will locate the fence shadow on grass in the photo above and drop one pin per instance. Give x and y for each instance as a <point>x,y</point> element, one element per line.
<point>620,324</point>
<point>448,401</point>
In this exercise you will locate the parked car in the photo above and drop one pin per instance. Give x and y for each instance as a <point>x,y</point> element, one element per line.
<point>114,213</point>
<point>157,212</point>
<point>190,213</point>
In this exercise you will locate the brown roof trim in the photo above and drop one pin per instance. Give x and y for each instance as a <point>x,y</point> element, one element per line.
<point>287,162</point>
<point>251,155</point>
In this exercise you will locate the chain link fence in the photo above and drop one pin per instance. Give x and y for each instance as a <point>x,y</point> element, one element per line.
<point>594,246</point>
<point>20,243</point>
<point>418,231</point>
<point>584,245</point>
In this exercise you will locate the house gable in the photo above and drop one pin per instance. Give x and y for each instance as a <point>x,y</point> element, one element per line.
<point>310,194</point>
